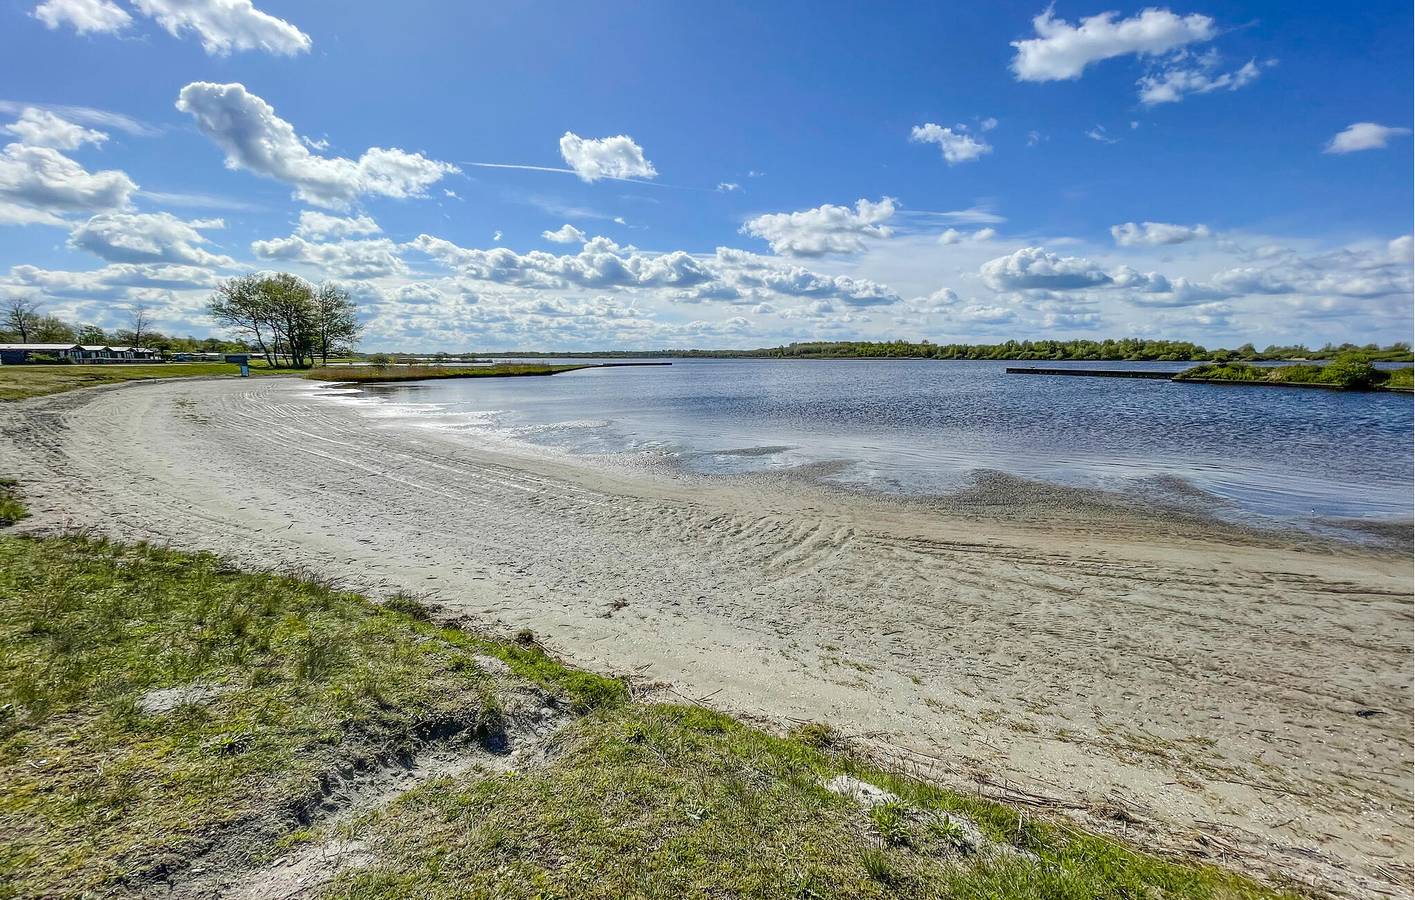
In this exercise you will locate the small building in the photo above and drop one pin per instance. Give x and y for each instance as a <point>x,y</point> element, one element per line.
<point>16,354</point>
<point>136,353</point>
<point>94,353</point>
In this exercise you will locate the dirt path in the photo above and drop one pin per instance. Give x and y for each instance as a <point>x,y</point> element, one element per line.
<point>1215,693</point>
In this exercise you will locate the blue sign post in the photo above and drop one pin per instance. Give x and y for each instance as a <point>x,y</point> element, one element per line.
<point>243,360</point>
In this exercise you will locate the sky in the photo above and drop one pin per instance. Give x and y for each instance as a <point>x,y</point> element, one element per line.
<point>568,176</point>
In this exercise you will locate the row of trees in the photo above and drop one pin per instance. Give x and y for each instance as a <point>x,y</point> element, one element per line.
<point>1109,349</point>
<point>290,321</point>
<point>24,320</point>
<point>285,318</point>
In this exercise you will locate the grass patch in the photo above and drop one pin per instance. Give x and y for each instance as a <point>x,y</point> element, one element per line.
<point>669,801</point>
<point>11,508</point>
<point>24,381</point>
<point>374,374</point>
<point>300,679</point>
<point>102,792</point>
<point>1352,373</point>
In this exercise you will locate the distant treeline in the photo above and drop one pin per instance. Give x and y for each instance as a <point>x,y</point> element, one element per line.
<point>1110,349</point>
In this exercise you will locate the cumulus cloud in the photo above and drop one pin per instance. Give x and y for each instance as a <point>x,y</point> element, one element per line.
<point>221,25</point>
<point>375,258</point>
<point>565,234</point>
<point>956,146</point>
<point>1062,51</point>
<point>731,276</point>
<point>112,281</point>
<point>1174,82</point>
<point>727,187</point>
<point>1364,136</point>
<point>84,16</point>
<point>42,128</point>
<point>322,226</point>
<point>256,139</point>
<point>147,238</point>
<point>1130,234</point>
<point>40,184</point>
<point>825,229</point>
<point>612,157</point>
<point>1033,268</point>
<point>226,25</point>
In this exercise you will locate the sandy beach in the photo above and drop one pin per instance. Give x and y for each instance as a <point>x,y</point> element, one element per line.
<point>1192,686</point>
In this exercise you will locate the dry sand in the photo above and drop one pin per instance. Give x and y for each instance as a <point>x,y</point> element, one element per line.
<point>1193,687</point>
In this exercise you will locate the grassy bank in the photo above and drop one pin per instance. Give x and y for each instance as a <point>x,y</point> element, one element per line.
<point>1345,373</point>
<point>375,374</point>
<point>163,716</point>
<point>24,381</point>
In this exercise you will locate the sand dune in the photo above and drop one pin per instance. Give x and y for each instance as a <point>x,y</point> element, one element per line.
<point>1189,685</point>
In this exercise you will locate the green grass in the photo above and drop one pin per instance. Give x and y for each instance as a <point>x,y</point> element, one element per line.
<point>98,793</point>
<point>1346,372</point>
<point>11,508</point>
<point>635,799</point>
<point>24,381</point>
<point>372,374</point>
<point>1400,380</point>
<point>670,801</point>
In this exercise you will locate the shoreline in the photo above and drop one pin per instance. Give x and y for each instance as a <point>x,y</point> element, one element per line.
<point>970,643</point>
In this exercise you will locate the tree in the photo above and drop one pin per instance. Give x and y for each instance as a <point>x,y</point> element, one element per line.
<point>240,303</point>
<point>53,330</point>
<point>141,322</point>
<point>336,323</point>
<point>279,313</point>
<point>22,317</point>
<point>91,335</point>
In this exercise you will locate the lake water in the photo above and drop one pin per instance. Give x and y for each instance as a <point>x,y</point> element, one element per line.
<point>925,427</point>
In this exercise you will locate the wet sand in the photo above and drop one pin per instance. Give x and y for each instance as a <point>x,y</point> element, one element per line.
<point>1191,686</point>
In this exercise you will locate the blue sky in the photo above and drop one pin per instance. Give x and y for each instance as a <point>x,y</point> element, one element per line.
<point>730,175</point>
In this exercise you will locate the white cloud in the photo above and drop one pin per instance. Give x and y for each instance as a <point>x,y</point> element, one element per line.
<point>40,184</point>
<point>985,234</point>
<point>322,226</point>
<point>147,238</point>
<point>985,315</point>
<point>735,277</point>
<point>565,234</point>
<point>226,25</point>
<point>1363,136</point>
<point>987,124</point>
<point>1062,51</point>
<point>1175,81</point>
<point>1033,268</point>
<point>1130,234</point>
<point>100,118</point>
<point>957,146</point>
<point>255,138</point>
<point>726,187</point>
<point>1098,134</point>
<point>951,236</point>
<point>343,259</point>
<point>42,128</point>
<point>112,281</point>
<point>825,229</point>
<point>85,16</point>
<point>612,157</point>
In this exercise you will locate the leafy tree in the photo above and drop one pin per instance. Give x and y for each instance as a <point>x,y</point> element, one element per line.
<point>336,322</point>
<point>22,318</point>
<point>53,330</point>
<point>91,335</point>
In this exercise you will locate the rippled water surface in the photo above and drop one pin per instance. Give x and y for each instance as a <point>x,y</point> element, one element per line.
<point>923,427</point>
